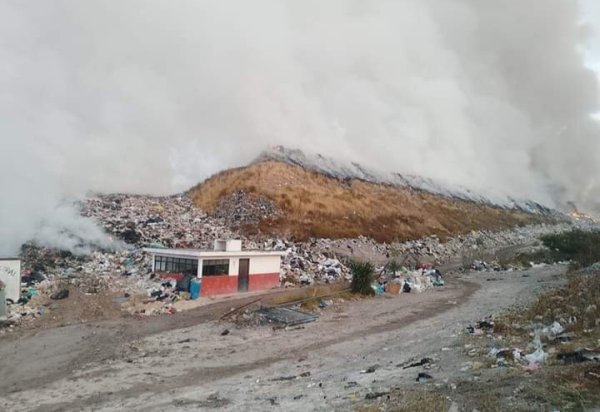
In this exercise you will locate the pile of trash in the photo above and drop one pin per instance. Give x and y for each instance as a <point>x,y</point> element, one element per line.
<point>242,208</point>
<point>406,281</point>
<point>47,275</point>
<point>323,260</point>
<point>174,222</point>
<point>171,221</point>
<point>306,263</point>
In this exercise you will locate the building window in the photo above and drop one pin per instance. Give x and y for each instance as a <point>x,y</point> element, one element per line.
<point>215,267</point>
<point>175,265</point>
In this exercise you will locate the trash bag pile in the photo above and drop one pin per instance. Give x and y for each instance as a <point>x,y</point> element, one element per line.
<point>408,281</point>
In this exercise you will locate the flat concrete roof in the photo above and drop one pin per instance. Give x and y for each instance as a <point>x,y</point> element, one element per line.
<point>200,254</point>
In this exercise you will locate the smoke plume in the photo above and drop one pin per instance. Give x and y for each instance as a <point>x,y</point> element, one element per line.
<point>151,96</point>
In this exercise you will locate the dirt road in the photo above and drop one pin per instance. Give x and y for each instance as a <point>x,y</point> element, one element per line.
<point>154,365</point>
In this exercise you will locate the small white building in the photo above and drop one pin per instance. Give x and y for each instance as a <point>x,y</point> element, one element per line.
<point>10,275</point>
<point>225,269</point>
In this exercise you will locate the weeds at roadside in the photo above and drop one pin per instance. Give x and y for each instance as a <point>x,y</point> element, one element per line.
<point>362,277</point>
<point>579,246</point>
<point>408,401</point>
<point>574,387</point>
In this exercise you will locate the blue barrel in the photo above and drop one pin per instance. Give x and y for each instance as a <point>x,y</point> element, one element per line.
<point>195,288</point>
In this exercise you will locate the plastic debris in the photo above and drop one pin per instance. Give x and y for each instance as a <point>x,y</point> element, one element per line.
<point>422,362</point>
<point>423,377</point>
<point>538,356</point>
<point>60,294</point>
<point>579,356</point>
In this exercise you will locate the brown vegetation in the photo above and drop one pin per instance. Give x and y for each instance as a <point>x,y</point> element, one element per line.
<point>314,205</point>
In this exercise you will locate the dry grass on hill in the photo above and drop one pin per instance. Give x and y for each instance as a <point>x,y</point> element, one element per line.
<point>318,206</point>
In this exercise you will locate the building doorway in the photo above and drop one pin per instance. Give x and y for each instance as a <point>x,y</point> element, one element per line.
<point>243,275</point>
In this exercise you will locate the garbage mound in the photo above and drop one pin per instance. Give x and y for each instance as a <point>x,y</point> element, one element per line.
<point>171,221</point>
<point>150,221</point>
<point>242,208</point>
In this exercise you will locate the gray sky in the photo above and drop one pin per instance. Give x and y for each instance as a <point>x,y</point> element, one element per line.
<point>152,96</point>
<point>591,15</point>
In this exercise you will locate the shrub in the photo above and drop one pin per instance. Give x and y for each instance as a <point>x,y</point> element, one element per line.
<point>362,277</point>
<point>581,247</point>
<point>393,266</point>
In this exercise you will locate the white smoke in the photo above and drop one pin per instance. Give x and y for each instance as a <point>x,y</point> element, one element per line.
<point>153,96</point>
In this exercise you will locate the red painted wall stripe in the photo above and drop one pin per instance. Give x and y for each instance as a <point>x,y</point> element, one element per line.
<point>218,285</point>
<point>263,281</point>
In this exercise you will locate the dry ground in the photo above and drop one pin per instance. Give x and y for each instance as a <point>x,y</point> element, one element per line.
<point>314,205</point>
<point>182,362</point>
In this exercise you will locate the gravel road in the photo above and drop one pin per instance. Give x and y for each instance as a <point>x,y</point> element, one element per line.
<point>185,363</point>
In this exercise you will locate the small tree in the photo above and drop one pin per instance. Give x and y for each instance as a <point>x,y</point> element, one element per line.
<point>362,277</point>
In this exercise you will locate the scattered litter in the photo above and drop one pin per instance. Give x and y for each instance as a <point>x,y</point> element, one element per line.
<point>422,362</point>
<point>485,326</point>
<point>551,331</point>
<point>564,337</point>
<point>579,356</point>
<point>60,294</point>
<point>378,288</point>
<point>375,395</point>
<point>538,356</point>
<point>291,377</point>
<point>423,377</point>
<point>287,316</point>
<point>284,378</point>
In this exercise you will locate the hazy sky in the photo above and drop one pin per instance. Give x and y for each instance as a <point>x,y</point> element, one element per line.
<point>591,15</point>
<point>153,96</point>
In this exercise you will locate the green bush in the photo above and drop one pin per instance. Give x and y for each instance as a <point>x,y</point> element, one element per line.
<point>581,247</point>
<point>362,277</point>
<point>392,266</point>
<point>525,259</point>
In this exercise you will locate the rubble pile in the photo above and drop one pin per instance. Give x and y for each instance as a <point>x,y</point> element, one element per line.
<point>323,260</point>
<point>476,240</point>
<point>48,274</point>
<point>174,222</point>
<point>149,221</point>
<point>242,208</point>
<point>170,221</point>
<point>305,263</point>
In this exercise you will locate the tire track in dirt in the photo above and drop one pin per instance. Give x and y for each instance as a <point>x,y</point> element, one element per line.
<point>461,292</point>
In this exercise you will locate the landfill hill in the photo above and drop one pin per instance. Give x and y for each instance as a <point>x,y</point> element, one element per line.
<point>292,195</point>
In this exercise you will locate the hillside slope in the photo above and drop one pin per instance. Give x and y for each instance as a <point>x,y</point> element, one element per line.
<point>313,204</point>
<point>344,170</point>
